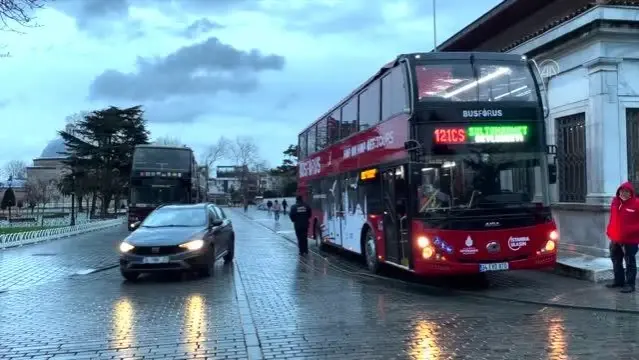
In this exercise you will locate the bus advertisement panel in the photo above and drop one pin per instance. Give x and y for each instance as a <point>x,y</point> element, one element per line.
<point>447,173</point>
<point>160,175</point>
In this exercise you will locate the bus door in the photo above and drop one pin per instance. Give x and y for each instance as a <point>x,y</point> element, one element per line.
<point>395,200</point>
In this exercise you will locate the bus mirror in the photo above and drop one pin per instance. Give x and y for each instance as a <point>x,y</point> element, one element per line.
<point>552,174</point>
<point>411,145</point>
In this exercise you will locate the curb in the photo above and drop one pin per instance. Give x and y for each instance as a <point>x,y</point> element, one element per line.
<point>94,271</point>
<point>592,275</point>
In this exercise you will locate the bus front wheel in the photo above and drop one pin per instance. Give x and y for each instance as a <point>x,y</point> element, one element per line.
<point>370,251</point>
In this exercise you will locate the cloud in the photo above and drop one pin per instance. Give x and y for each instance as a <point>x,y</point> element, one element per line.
<point>207,67</point>
<point>199,27</point>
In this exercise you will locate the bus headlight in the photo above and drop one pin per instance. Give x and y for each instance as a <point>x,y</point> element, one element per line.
<point>550,245</point>
<point>428,252</point>
<point>423,241</point>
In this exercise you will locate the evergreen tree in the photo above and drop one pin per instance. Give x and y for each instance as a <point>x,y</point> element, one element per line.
<point>100,151</point>
<point>288,171</point>
<point>8,200</point>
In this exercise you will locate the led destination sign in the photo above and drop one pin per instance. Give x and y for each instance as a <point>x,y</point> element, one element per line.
<point>487,134</point>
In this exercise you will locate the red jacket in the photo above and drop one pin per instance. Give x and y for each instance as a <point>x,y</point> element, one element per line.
<point>623,226</point>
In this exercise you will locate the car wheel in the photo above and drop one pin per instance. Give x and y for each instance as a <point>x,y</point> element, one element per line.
<point>130,276</point>
<point>370,250</point>
<point>228,258</point>
<point>208,269</point>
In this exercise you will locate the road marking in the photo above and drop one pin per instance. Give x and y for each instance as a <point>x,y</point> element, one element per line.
<point>285,232</point>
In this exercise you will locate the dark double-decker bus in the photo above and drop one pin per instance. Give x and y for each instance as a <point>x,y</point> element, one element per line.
<point>163,175</point>
<point>438,165</point>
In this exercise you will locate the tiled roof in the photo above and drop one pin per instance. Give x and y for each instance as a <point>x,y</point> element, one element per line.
<point>557,22</point>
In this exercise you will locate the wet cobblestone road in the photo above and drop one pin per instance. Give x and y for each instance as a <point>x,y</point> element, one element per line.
<point>272,304</point>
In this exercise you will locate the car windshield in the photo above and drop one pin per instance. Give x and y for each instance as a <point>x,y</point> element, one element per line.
<point>168,217</point>
<point>480,181</point>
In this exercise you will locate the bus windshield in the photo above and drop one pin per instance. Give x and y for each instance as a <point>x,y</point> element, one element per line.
<point>162,159</point>
<point>472,181</point>
<point>150,192</point>
<point>462,82</point>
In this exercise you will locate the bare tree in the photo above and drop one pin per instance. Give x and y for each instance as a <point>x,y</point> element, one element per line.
<point>17,13</point>
<point>16,169</point>
<point>217,152</point>
<point>246,154</point>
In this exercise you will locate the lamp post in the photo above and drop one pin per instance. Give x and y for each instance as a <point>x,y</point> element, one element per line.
<point>435,25</point>
<point>72,199</point>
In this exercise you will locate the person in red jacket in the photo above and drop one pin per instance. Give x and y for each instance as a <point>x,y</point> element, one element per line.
<point>623,231</point>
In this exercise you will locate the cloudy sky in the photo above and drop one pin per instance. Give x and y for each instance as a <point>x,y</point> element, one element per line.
<point>205,68</point>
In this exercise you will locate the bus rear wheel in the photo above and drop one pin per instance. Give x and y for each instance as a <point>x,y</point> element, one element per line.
<point>370,252</point>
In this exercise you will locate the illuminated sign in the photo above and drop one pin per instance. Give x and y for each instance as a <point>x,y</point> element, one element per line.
<point>489,134</point>
<point>368,174</point>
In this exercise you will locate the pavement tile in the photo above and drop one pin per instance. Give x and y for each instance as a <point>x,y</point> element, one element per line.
<point>294,309</point>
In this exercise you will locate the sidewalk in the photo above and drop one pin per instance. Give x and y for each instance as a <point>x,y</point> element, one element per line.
<point>540,287</point>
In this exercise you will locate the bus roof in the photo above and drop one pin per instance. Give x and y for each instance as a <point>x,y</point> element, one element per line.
<point>426,56</point>
<point>158,146</point>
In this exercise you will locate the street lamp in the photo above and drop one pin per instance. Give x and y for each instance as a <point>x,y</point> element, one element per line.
<point>434,25</point>
<point>72,199</point>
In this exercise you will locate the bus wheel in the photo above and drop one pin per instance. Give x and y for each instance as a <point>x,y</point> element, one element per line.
<point>371,252</point>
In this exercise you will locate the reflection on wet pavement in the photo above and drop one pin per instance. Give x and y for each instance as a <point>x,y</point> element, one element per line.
<point>290,308</point>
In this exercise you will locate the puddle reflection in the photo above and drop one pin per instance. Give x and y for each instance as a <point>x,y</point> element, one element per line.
<point>123,334</point>
<point>556,338</point>
<point>195,323</point>
<point>424,345</point>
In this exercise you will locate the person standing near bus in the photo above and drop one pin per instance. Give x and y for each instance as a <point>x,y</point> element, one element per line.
<point>623,231</point>
<point>269,205</point>
<point>284,205</point>
<point>277,207</point>
<point>300,215</point>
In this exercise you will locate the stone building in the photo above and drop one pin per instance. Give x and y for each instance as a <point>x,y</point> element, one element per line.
<point>588,55</point>
<point>48,166</point>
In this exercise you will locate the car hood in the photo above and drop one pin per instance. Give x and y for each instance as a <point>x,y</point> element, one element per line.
<point>162,236</point>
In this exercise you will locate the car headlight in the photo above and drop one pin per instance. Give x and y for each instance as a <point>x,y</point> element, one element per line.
<point>126,247</point>
<point>193,245</point>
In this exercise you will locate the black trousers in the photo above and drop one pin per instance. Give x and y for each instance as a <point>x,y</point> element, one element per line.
<point>302,239</point>
<point>620,253</point>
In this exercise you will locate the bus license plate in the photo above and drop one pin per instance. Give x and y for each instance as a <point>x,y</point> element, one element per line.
<point>156,260</point>
<point>493,267</point>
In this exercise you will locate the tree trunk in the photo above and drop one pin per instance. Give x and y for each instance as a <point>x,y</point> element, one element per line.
<point>106,200</point>
<point>9,213</point>
<point>79,203</point>
<point>116,202</point>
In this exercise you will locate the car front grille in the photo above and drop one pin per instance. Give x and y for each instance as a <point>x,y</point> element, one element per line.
<point>157,250</point>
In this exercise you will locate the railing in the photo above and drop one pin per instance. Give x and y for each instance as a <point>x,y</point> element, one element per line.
<point>35,236</point>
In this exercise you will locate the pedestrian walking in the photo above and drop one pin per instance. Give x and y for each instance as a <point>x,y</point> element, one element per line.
<point>269,205</point>
<point>246,205</point>
<point>284,205</point>
<point>623,232</point>
<point>277,207</point>
<point>300,215</point>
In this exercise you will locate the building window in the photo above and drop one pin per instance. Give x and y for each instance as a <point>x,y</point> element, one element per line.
<point>302,146</point>
<point>349,118</point>
<point>394,93</point>
<point>322,134</point>
<point>571,158</point>
<point>311,140</point>
<point>333,121</point>
<point>369,108</point>
<point>632,140</point>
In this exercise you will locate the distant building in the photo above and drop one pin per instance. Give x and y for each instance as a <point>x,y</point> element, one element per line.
<point>49,165</point>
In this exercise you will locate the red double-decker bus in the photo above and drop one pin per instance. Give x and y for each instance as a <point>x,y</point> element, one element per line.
<point>437,164</point>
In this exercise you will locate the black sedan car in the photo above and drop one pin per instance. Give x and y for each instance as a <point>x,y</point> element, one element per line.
<point>178,237</point>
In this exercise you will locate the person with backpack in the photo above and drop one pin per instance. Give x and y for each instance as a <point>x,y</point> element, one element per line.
<point>284,205</point>
<point>277,207</point>
<point>300,215</point>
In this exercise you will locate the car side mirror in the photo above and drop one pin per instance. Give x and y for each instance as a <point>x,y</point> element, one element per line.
<point>552,174</point>
<point>134,225</point>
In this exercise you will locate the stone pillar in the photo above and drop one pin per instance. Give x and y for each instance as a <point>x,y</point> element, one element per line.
<point>604,145</point>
